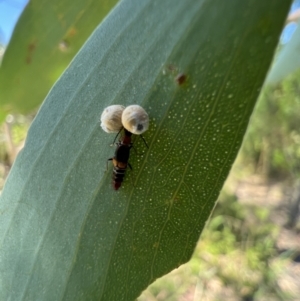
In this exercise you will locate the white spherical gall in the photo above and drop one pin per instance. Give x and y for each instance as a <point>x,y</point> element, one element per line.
<point>135,119</point>
<point>111,119</point>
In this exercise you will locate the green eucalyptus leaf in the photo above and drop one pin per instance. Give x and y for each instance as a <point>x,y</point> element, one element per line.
<point>65,233</point>
<point>46,38</point>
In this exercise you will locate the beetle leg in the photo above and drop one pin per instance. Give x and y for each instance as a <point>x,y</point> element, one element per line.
<point>144,141</point>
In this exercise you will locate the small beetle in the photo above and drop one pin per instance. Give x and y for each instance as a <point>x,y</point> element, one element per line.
<point>120,159</point>
<point>134,120</point>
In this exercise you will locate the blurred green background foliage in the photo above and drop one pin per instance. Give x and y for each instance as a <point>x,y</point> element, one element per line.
<point>273,140</point>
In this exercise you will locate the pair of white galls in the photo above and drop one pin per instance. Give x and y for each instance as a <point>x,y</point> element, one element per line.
<point>133,118</point>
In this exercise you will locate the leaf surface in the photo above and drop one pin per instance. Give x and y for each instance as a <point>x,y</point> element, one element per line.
<point>65,233</point>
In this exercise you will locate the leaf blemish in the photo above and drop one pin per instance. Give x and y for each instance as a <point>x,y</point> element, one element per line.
<point>180,79</point>
<point>31,48</point>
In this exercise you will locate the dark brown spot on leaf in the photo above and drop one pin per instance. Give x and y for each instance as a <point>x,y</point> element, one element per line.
<point>180,78</point>
<point>30,50</point>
